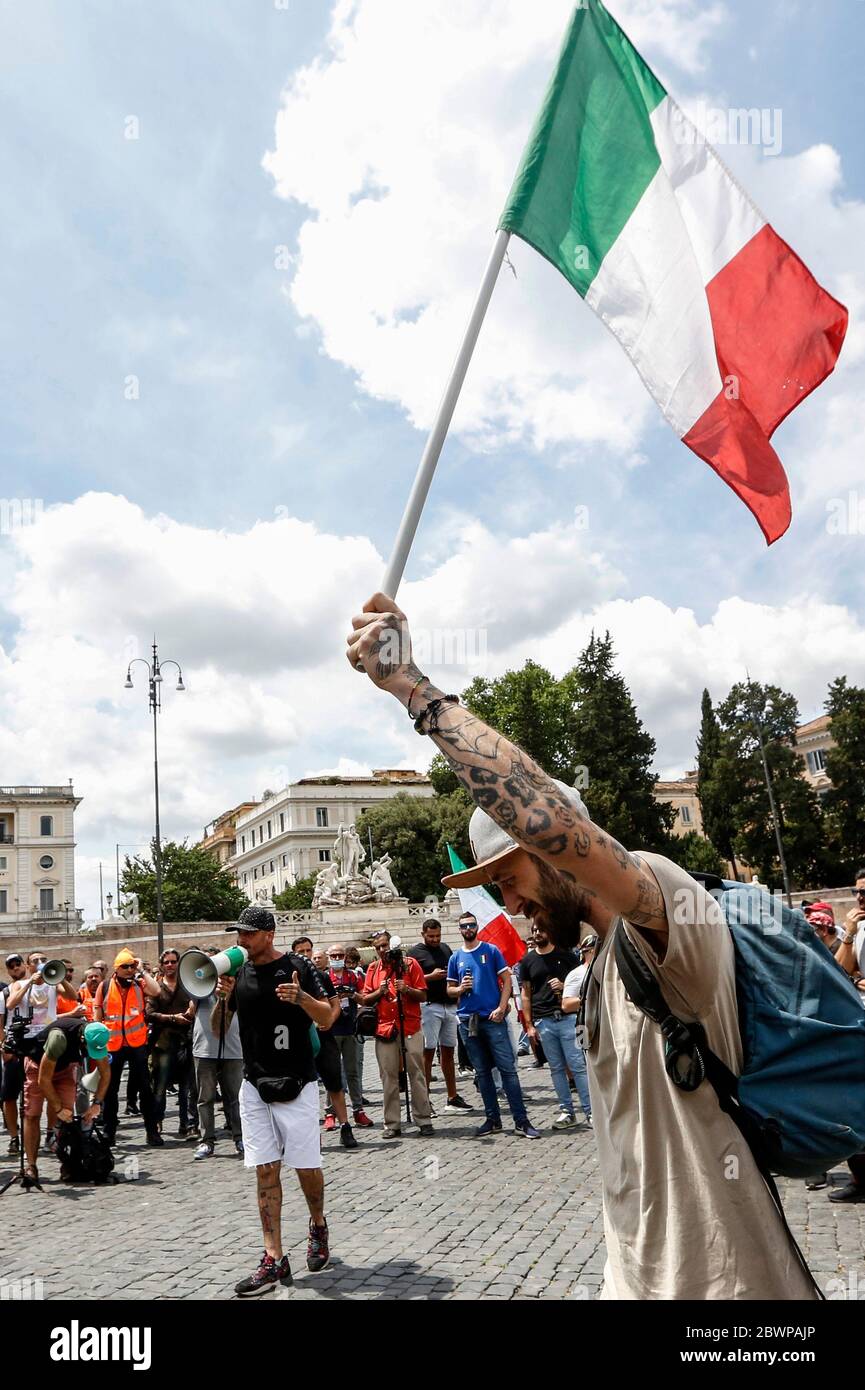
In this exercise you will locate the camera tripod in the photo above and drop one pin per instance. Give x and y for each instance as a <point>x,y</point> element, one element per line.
<point>27,1183</point>
<point>403,1060</point>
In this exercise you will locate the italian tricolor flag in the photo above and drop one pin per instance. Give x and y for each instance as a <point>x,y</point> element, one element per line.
<point>726,326</point>
<point>494,924</point>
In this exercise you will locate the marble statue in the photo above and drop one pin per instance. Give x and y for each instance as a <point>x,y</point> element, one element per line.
<point>380,880</point>
<point>129,910</point>
<point>343,883</point>
<point>348,851</point>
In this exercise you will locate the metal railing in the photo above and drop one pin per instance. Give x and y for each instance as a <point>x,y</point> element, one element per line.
<point>37,791</point>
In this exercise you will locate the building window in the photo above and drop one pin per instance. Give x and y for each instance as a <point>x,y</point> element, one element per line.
<point>46,825</point>
<point>321,817</point>
<point>46,899</point>
<point>324,856</point>
<point>271,866</point>
<point>269,831</point>
<point>816,760</point>
<point>285,861</point>
<point>255,873</point>
<point>4,861</point>
<point>245,877</point>
<point>281,821</point>
<point>243,844</point>
<point>685,813</point>
<point>46,862</point>
<point>3,900</point>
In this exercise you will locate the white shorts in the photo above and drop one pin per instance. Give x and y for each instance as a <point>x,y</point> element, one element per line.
<point>439,1025</point>
<point>287,1130</point>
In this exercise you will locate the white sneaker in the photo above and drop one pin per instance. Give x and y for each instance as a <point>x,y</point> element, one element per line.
<point>564,1121</point>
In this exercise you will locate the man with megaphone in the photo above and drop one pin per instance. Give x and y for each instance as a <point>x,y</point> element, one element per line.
<point>276,997</point>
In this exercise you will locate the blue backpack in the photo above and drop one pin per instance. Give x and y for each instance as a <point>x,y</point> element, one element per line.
<point>800,1099</point>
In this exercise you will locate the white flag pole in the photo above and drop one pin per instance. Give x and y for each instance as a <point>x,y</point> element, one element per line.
<point>438,433</point>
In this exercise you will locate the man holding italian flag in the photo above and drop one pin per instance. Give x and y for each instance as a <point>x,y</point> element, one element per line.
<point>676,1227</point>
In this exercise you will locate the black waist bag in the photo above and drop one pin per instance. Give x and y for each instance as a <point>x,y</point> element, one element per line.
<point>275,1089</point>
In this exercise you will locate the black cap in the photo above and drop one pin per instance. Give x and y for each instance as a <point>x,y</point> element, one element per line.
<point>254,918</point>
<point>15,959</point>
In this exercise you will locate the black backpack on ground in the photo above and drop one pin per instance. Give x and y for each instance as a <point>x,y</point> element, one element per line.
<point>85,1154</point>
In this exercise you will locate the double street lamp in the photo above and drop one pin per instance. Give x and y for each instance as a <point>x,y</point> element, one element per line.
<point>155,668</point>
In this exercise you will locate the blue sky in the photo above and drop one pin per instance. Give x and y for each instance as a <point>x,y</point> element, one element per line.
<point>155,258</point>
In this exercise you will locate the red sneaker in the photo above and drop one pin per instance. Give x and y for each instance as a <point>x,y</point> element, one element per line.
<point>362,1120</point>
<point>330,1122</point>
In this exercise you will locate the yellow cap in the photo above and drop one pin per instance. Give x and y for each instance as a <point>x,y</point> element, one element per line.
<point>124,957</point>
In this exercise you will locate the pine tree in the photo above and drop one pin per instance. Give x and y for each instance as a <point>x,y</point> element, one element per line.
<point>607,738</point>
<point>844,803</point>
<point>749,709</point>
<point>715,786</point>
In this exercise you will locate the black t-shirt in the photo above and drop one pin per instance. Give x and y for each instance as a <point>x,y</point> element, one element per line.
<point>275,1037</point>
<point>431,958</point>
<point>536,970</point>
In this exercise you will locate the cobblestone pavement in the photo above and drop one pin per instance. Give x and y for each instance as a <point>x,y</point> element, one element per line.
<point>447,1217</point>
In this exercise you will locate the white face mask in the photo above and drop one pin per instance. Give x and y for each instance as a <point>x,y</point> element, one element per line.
<point>338,966</point>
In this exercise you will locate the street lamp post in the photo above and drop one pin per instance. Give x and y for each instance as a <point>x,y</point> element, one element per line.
<point>154,679</point>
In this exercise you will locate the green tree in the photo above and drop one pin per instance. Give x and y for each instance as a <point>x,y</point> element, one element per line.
<point>844,803</point>
<point>716,785</point>
<point>696,854</point>
<point>531,708</point>
<point>296,897</point>
<point>749,708</point>
<point>606,737</point>
<point>194,888</point>
<point>406,828</point>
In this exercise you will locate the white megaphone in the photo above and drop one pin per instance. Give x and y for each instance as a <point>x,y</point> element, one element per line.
<point>53,972</point>
<point>90,1082</point>
<point>199,972</point>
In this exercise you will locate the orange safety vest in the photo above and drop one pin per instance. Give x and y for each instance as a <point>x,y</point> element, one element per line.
<point>123,1016</point>
<point>88,1000</point>
<point>65,1006</point>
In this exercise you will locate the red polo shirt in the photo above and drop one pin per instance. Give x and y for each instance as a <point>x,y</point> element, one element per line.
<point>387,1010</point>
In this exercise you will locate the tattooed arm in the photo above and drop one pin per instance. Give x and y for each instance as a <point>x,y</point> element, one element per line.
<point>503,780</point>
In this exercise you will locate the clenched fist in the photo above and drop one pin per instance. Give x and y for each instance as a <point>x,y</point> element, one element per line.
<point>380,643</point>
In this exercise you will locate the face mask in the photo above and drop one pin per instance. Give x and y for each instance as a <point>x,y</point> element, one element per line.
<point>337,966</point>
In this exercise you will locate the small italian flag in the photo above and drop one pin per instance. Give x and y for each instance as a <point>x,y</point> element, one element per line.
<point>726,326</point>
<point>494,924</point>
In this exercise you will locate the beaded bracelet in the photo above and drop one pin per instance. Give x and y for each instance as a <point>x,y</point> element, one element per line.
<point>433,709</point>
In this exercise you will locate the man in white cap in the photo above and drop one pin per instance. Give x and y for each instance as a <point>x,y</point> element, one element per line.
<point>677,1226</point>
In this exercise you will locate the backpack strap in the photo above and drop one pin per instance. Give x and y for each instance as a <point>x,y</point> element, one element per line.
<point>688,1060</point>
<point>685,1051</point>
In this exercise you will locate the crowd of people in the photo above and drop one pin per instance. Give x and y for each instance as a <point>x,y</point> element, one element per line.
<point>284,1077</point>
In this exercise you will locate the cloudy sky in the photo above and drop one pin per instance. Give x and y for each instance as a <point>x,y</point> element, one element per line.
<point>240,246</point>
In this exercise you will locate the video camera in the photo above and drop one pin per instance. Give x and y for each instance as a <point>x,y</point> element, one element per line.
<point>16,1040</point>
<point>395,957</point>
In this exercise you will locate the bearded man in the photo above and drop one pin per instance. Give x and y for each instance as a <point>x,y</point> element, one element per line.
<point>686,1213</point>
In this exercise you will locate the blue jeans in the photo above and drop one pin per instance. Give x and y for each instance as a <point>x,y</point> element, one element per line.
<point>559,1038</point>
<point>492,1048</point>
